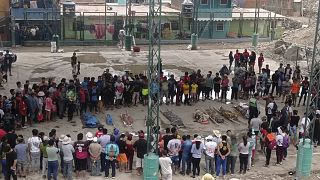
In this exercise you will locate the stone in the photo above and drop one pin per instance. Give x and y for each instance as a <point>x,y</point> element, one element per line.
<point>280,50</point>
<point>291,53</point>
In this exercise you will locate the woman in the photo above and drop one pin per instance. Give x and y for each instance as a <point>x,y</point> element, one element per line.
<point>260,62</point>
<point>243,148</point>
<point>232,158</point>
<point>48,106</point>
<point>223,151</point>
<point>129,151</point>
<point>196,151</point>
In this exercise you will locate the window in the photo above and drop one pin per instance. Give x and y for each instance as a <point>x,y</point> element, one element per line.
<point>223,2</point>
<point>220,26</point>
<point>202,2</point>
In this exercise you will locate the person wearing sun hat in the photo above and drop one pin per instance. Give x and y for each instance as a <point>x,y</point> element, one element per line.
<point>196,151</point>
<point>95,151</point>
<point>210,147</point>
<point>207,177</point>
<point>67,151</point>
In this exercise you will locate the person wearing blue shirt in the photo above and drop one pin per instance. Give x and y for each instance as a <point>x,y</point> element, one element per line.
<point>112,151</point>
<point>186,152</point>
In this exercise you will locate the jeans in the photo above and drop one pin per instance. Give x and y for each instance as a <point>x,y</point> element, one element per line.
<point>44,165</point>
<point>53,169</point>
<point>35,161</point>
<point>95,167</point>
<point>186,160</point>
<point>102,161</point>
<point>279,153</point>
<point>234,93</point>
<point>268,156</point>
<point>61,107</point>
<point>10,173</point>
<point>231,163</point>
<point>221,162</point>
<point>113,167</point>
<point>243,162</point>
<point>71,108</point>
<point>303,94</point>
<point>4,165</point>
<point>67,169</point>
<point>196,166</point>
<point>209,164</point>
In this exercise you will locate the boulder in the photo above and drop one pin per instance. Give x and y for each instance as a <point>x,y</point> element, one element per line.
<point>282,42</point>
<point>294,53</point>
<point>280,50</point>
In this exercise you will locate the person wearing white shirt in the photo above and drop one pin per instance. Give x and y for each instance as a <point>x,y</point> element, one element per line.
<point>174,146</point>
<point>279,149</point>
<point>304,126</point>
<point>165,165</point>
<point>210,147</point>
<point>34,149</point>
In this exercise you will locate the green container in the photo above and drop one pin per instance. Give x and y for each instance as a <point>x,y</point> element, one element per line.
<point>128,43</point>
<point>304,159</point>
<point>151,167</point>
<point>194,41</point>
<point>55,38</point>
<point>255,39</point>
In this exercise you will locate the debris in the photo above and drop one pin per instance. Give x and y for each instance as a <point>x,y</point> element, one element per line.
<point>280,50</point>
<point>201,117</point>
<point>126,119</point>
<point>173,118</point>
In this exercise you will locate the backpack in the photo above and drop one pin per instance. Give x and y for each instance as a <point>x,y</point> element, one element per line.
<point>109,120</point>
<point>112,151</point>
<point>286,142</point>
<point>272,145</point>
<point>23,108</point>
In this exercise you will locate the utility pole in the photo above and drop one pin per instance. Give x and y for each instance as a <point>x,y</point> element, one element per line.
<point>255,35</point>
<point>305,148</point>
<point>128,18</point>
<point>151,159</point>
<point>105,21</point>
<point>194,35</point>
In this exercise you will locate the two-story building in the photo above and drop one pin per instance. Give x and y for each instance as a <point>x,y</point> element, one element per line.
<point>214,17</point>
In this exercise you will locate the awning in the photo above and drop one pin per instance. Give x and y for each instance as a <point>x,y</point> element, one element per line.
<point>214,19</point>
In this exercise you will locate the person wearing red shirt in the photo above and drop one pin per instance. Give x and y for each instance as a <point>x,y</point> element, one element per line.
<point>99,132</point>
<point>2,132</point>
<point>237,58</point>
<point>260,62</point>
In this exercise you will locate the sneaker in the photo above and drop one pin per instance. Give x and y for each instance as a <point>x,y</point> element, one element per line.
<point>113,177</point>
<point>107,177</point>
<point>277,164</point>
<point>24,127</point>
<point>280,163</point>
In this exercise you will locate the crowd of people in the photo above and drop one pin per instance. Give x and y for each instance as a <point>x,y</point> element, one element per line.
<point>96,153</point>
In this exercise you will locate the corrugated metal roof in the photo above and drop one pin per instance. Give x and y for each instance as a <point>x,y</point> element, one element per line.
<point>249,13</point>
<point>121,9</point>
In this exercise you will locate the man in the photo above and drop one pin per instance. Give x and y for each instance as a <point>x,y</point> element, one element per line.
<point>11,163</point>
<point>103,141</point>
<point>8,62</point>
<point>165,165</point>
<point>34,150</point>
<point>67,151</point>
<point>288,71</point>
<point>186,158</point>
<point>210,147</point>
<point>81,155</point>
<point>174,146</point>
<point>95,152</point>
<point>208,86</point>
<point>304,91</point>
<point>255,124</point>
<point>112,151</point>
<point>140,147</point>
<point>53,163</point>
<point>304,126</point>
<point>172,86</point>
<point>271,108</point>
<point>74,63</point>
<point>217,86</point>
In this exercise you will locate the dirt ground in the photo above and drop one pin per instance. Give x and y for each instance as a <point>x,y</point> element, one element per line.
<point>34,63</point>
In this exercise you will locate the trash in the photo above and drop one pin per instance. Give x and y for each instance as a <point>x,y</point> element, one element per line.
<point>201,117</point>
<point>173,118</point>
<point>126,119</point>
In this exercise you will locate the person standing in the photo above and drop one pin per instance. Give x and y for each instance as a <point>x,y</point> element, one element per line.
<point>186,92</point>
<point>95,152</point>
<point>224,87</point>
<point>11,163</point>
<point>165,165</point>
<point>279,148</point>
<point>74,63</point>
<point>232,158</point>
<point>122,157</point>
<point>186,158</point>
<point>234,88</point>
<point>129,151</point>
<point>260,62</point>
<point>304,91</point>
<point>112,151</point>
<point>243,148</point>
<point>196,151</point>
<point>208,86</point>
<point>231,58</point>
<point>81,155</point>
<point>34,151</point>
<point>67,151</point>
<point>8,62</point>
<point>210,147</point>
<point>253,107</point>
<point>53,164</point>
<point>140,147</point>
<point>21,149</point>
<point>43,150</point>
<point>174,146</point>
<point>268,141</point>
<point>223,150</point>
<point>103,141</point>
<point>295,89</point>
<point>216,86</point>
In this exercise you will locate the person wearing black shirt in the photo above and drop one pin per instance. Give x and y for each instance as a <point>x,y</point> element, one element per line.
<point>11,163</point>
<point>172,85</point>
<point>122,158</point>
<point>166,138</point>
<point>140,147</point>
<point>11,137</point>
<point>7,62</point>
<point>304,91</point>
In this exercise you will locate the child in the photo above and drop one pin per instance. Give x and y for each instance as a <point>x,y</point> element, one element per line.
<point>194,90</point>
<point>48,107</point>
<point>78,68</point>
<point>22,161</point>
<point>286,143</point>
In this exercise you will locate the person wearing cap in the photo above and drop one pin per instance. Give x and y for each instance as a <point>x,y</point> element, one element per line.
<point>67,151</point>
<point>210,147</point>
<point>89,139</point>
<point>53,163</point>
<point>122,157</point>
<point>43,149</point>
<point>196,150</point>
<point>140,147</point>
<point>207,176</point>
<point>95,152</point>
<point>99,133</point>
<point>21,149</point>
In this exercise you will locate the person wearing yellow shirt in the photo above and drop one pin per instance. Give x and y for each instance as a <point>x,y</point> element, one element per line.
<point>194,90</point>
<point>186,91</point>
